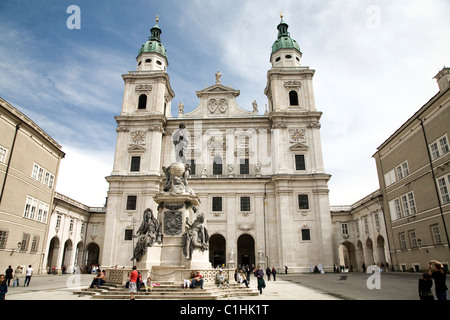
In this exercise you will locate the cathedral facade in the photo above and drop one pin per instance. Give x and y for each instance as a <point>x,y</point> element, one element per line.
<point>260,178</point>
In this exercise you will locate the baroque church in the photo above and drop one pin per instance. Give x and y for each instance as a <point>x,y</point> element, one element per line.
<point>260,179</point>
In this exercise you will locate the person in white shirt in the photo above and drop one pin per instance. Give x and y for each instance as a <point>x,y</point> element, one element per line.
<point>28,274</point>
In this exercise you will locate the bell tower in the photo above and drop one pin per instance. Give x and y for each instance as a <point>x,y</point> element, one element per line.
<point>136,174</point>
<point>289,84</point>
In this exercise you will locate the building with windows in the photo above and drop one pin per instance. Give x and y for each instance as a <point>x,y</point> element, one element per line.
<point>29,164</point>
<point>75,235</point>
<point>359,234</point>
<point>260,177</point>
<point>413,167</point>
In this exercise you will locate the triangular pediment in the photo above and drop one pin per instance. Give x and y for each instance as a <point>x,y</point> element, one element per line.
<point>134,148</point>
<point>299,147</point>
<point>218,89</point>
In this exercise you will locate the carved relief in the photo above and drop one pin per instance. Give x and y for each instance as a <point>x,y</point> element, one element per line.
<point>143,88</point>
<point>213,105</point>
<point>292,85</point>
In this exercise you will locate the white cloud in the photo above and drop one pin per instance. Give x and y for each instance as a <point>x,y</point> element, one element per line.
<point>82,175</point>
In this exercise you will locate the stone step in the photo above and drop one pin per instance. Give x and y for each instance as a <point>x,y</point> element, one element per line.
<point>169,290</point>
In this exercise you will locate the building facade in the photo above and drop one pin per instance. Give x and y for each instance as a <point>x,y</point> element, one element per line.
<point>75,235</point>
<point>359,234</point>
<point>413,167</point>
<point>29,165</point>
<point>260,178</point>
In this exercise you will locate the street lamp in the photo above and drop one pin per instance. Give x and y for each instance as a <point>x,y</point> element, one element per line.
<point>19,244</point>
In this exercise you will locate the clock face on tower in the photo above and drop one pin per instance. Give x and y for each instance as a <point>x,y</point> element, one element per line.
<point>297,135</point>
<point>138,137</point>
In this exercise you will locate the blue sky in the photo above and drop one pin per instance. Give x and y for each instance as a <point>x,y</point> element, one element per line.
<point>374,59</point>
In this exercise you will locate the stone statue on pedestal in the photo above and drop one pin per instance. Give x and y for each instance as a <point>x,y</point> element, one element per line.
<point>148,233</point>
<point>176,179</point>
<point>181,139</point>
<point>196,236</point>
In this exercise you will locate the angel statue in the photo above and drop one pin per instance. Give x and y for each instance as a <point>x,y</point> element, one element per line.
<point>196,236</point>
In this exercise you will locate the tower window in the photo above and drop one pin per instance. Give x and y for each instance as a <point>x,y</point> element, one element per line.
<point>293,98</point>
<point>217,165</point>
<point>303,203</point>
<point>142,101</point>
<point>300,162</point>
<point>288,56</point>
<point>306,235</point>
<point>148,60</point>
<point>131,202</point>
<point>158,62</point>
<point>277,59</point>
<point>135,164</point>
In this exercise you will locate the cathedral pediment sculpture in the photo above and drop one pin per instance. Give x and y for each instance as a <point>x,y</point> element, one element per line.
<point>148,233</point>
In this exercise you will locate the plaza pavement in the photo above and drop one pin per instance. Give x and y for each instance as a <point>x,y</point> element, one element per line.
<point>61,287</point>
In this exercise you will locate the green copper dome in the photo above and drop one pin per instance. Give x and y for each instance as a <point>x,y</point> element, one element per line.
<point>154,42</point>
<point>284,39</point>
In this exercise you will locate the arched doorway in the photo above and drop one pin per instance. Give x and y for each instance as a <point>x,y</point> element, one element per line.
<point>67,255</point>
<point>360,255</point>
<point>217,250</point>
<point>92,254</point>
<point>369,252</point>
<point>79,254</point>
<point>53,250</point>
<point>246,250</point>
<point>380,251</point>
<point>347,255</point>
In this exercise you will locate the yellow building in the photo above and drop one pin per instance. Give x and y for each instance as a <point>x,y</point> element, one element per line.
<point>413,167</point>
<point>29,164</point>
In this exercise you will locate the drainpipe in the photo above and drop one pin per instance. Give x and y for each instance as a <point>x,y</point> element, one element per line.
<point>9,161</point>
<point>435,183</point>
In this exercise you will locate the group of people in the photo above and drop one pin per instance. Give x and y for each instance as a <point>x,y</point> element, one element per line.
<point>135,282</point>
<point>15,275</point>
<point>436,271</point>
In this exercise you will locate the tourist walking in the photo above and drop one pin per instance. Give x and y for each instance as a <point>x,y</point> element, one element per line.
<point>268,273</point>
<point>259,274</point>
<point>28,275</point>
<point>425,284</point>
<point>285,269</point>
<point>436,270</point>
<point>3,287</point>
<point>242,278</point>
<point>132,286</point>
<point>274,273</point>
<point>9,275</point>
<point>17,274</point>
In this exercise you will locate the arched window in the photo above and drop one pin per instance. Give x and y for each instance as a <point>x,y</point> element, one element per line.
<point>293,98</point>
<point>142,101</point>
<point>217,165</point>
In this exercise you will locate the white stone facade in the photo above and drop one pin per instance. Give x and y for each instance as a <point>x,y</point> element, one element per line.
<point>260,178</point>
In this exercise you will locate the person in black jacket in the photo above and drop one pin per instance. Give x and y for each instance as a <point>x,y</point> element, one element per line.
<point>438,274</point>
<point>9,275</point>
<point>3,287</point>
<point>425,284</point>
